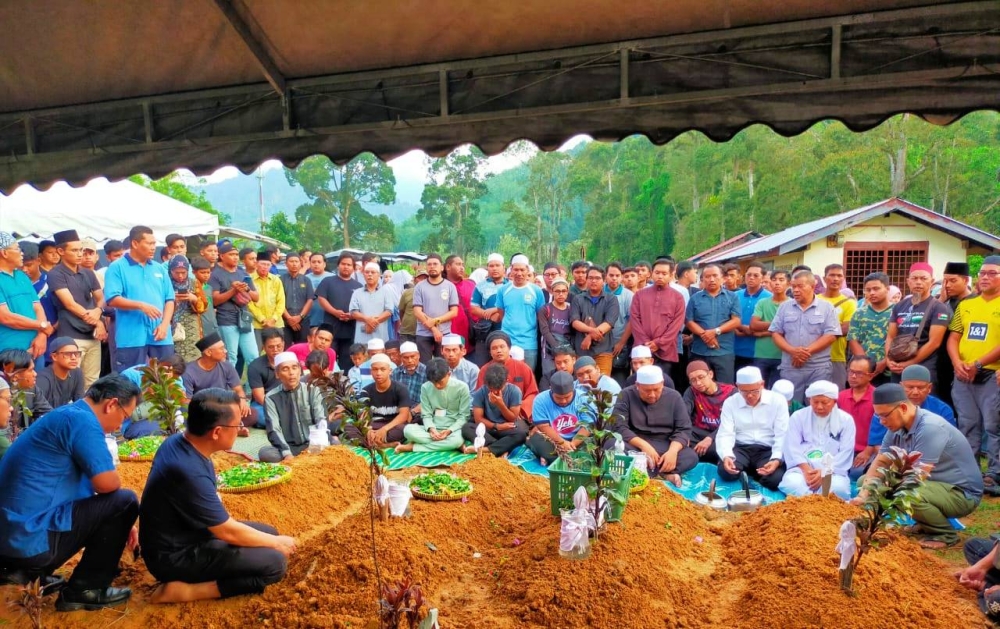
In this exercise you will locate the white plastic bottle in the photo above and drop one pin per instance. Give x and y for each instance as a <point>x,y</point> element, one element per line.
<point>112,448</point>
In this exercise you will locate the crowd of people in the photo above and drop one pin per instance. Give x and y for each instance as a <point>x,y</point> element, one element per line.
<point>779,374</point>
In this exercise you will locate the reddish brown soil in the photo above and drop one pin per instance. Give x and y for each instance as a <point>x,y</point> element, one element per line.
<point>667,564</point>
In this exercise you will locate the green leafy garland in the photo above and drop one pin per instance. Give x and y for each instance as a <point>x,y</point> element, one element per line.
<point>440,484</point>
<point>251,474</point>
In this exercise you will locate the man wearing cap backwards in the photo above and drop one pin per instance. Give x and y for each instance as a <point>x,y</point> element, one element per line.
<point>560,415</point>
<point>518,304</point>
<point>657,316</point>
<point>593,315</point>
<point>974,348</point>
<point>291,408</point>
<point>712,315</point>
<point>445,405</point>
<point>954,289</point>
<point>62,382</point>
<point>390,404</point>
<point>453,352</point>
<point>804,328</point>
<point>496,405</point>
<point>23,324</point>
<point>483,305</point>
<point>814,432</point>
<point>334,297</point>
<point>653,419</point>
<point>704,399</point>
<point>79,302</point>
<point>435,304</point>
<point>954,487</point>
<point>752,428</point>
<point>641,356</point>
<point>140,291</point>
<point>589,376</point>
<point>412,374</point>
<point>920,315</point>
<point>518,373</point>
<point>213,371</point>
<point>371,306</point>
<point>190,543</point>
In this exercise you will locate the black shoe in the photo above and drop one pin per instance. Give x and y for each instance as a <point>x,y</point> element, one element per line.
<point>50,583</point>
<point>71,600</point>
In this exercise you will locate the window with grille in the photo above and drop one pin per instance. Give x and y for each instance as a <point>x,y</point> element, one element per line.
<point>892,258</point>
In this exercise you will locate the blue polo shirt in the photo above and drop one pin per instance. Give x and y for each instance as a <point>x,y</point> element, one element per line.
<point>745,345</point>
<point>149,283</point>
<point>711,312</point>
<point>18,294</point>
<point>932,404</point>
<point>44,472</point>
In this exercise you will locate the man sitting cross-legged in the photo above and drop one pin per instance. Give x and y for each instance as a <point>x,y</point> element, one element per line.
<point>291,409</point>
<point>497,405</point>
<point>653,419</point>
<point>390,404</point>
<point>444,407</point>
<point>190,543</point>
<point>819,429</point>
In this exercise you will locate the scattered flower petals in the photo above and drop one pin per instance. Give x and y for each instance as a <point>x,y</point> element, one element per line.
<point>698,539</point>
<point>517,542</point>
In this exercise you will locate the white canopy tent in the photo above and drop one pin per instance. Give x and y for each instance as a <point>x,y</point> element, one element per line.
<point>101,210</point>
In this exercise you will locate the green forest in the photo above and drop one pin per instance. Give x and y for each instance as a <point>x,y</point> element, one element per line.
<point>631,199</point>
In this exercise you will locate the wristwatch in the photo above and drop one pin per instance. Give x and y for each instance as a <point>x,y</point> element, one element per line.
<point>978,365</point>
<point>43,326</point>
<point>718,331</point>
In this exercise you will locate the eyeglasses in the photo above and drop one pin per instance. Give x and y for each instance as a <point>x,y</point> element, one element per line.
<point>856,373</point>
<point>752,391</point>
<point>889,414</point>
<point>989,274</point>
<point>70,354</point>
<point>230,426</point>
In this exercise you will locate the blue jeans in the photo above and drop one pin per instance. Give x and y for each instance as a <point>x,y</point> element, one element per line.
<point>261,423</point>
<point>237,341</point>
<point>531,358</point>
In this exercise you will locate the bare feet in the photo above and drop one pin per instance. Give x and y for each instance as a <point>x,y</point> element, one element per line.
<point>468,450</point>
<point>404,447</point>
<point>673,479</point>
<point>179,592</point>
<point>243,432</point>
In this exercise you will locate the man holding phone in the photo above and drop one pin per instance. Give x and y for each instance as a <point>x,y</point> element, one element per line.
<point>232,291</point>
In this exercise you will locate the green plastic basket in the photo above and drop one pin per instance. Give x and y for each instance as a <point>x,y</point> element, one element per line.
<point>563,483</point>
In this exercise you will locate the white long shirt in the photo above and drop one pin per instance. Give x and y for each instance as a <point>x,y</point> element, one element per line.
<point>832,434</point>
<point>764,424</point>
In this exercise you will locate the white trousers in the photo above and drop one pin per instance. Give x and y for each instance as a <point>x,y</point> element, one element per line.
<point>793,483</point>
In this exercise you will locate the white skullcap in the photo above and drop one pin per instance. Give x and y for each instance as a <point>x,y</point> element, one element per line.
<point>517,353</point>
<point>408,348</point>
<point>650,374</point>
<point>641,351</point>
<point>824,388</point>
<point>285,357</point>
<point>785,388</point>
<point>519,259</point>
<point>494,257</point>
<point>373,266</point>
<point>748,375</point>
<point>380,359</point>
<point>451,340</point>
<point>375,344</point>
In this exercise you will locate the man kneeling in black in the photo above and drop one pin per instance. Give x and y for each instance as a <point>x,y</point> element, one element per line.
<point>189,541</point>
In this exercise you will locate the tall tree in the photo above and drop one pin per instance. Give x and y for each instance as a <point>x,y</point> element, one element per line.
<point>284,230</point>
<point>337,195</point>
<point>451,200</point>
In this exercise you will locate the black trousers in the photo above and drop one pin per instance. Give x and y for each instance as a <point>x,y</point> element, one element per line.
<point>237,570</point>
<point>428,347</point>
<point>748,459</point>
<point>342,347</point>
<point>975,549</point>
<point>697,434</point>
<point>499,442</point>
<point>395,435</point>
<point>101,525</point>
<point>687,458</point>
<point>292,337</point>
<point>722,366</point>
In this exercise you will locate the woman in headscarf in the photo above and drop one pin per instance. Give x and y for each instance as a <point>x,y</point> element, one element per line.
<point>189,303</point>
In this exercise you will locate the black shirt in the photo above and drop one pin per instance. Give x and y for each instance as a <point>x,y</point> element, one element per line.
<point>260,374</point>
<point>385,405</point>
<point>180,501</point>
<point>338,291</point>
<point>298,292</point>
<point>81,285</point>
<point>59,392</point>
<point>227,313</point>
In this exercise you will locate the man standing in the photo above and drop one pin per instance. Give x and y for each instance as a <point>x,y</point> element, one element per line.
<point>579,271</point>
<point>176,245</point>
<point>644,271</point>
<point>870,324</point>
<point>844,307</point>
<point>752,431</point>
<point>453,352</point>
<point>317,273</point>
<point>746,340</point>
<point>804,329</point>
<point>407,320</point>
<point>371,307</point>
<point>48,255</point>
<point>23,324</point>
<point>593,315</point>
<point>766,355</point>
<point>78,301</point>
<point>140,291</point>
<point>446,404</point>
<point>435,305</point>
<point>653,419</point>
<point>334,296</point>
<point>954,290</point>
<point>954,487</point>
<point>232,292</point>
<point>267,311</point>
<point>657,315</point>
<point>712,315</point>
<point>59,492</point>
<point>920,316</point>
<point>210,251</point>
<point>299,295</point>
<point>621,334</point>
<point>454,268</point>
<point>190,543</point>
<point>687,276</point>
<point>497,405</point>
<point>483,305</point>
<point>518,304</point>
<point>974,348</point>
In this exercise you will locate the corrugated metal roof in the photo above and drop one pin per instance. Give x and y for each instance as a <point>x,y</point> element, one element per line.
<point>729,243</point>
<point>799,236</point>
